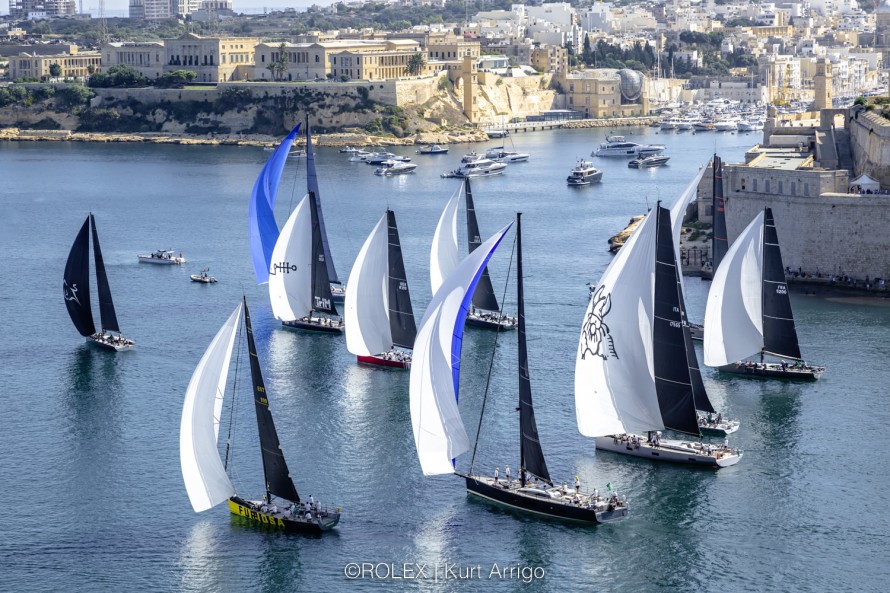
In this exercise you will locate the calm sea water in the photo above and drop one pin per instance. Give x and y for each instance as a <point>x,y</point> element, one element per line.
<point>90,440</point>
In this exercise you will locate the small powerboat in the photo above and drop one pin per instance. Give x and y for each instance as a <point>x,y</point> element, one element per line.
<point>480,167</point>
<point>379,157</point>
<point>505,156</point>
<point>433,149</point>
<point>164,257</point>
<point>584,173</point>
<point>203,277</point>
<point>388,168</point>
<point>646,162</point>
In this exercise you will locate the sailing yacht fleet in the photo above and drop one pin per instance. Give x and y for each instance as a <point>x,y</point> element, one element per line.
<point>636,368</point>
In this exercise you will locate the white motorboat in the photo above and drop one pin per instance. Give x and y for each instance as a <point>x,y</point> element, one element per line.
<point>505,156</point>
<point>726,125</point>
<point>480,167</point>
<point>203,277</point>
<point>646,162</point>
<point>619,146</point>
<point>297,154</point>
<point>584,173</point>
<point>388,168</point>
<point>433,149</point>
<point>379,157</point>
<point>704,126</point>
<point>164,257</point>
<point>349,150</point>
<point>750,126</point>
<point>497,133</point>
<point>670,124</point>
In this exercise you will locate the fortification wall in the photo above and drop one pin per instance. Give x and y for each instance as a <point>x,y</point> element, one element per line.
<point>870,140</point>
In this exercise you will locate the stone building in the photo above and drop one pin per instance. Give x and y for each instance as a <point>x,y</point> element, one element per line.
<point>23,9</point>
<point>606,92</point>
<point>213,59</point>
<point>74,65</point>
<point>149,57</point>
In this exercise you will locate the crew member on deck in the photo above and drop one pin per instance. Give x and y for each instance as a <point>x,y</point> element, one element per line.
<point>497,474</point>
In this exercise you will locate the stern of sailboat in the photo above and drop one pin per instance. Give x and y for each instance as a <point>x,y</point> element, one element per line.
<point>316,325</point>
<point>290,523</point>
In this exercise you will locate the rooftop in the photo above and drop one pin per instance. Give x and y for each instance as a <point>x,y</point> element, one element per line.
<point>782,158</point>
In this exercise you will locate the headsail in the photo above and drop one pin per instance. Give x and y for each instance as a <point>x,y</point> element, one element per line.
<point>290,274</point>
<point>439,433</point>
<point>368,330</point>
<point>401,314</point>
<point>734,312</point>
<point>262,229</point>
<point>614,380</point>
<point>278,480</point>
<point>76,282</point>
<point>484,297</point>
<point>672,380</point>
<point>203,472</point>
<point>531,454</point>
<point>106,305</point>
<point>678,210</point>
<point>720,241</point>
<point>312,188</point>
<point>322,299</point>
<point>444,253</point>
<point>779,333</point>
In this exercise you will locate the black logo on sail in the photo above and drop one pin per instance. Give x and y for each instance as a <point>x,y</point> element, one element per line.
<point>285,267</point>
<point>70,292</point>
<point>595,337</point>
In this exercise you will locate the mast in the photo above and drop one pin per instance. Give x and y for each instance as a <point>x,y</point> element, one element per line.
<point>673,385</point>
<point>719,241</point>
<point>484,297</point>
<point>106,305</point>
<point>278,480</point>
<point>76,282</point>
<point>779,333</point>
<point>531,455</point>
<point>321,284</point>
<point>312,188</point>
<point>401,314</point>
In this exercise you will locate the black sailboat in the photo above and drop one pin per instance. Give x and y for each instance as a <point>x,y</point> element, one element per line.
<point>527,493</point>
<point>336,288</point>
<point>76,291</point>
<point>485,311</point>
<point>777,319</point>
<point>719,236</point>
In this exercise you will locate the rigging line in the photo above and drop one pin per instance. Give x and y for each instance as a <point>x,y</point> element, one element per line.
<point>491,362</point>
<point>234,398</point>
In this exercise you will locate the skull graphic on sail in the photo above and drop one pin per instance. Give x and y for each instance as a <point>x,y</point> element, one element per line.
<point>70,292</point>
<point>595,333</point>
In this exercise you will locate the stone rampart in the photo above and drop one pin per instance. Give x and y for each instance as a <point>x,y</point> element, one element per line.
<point>870,140</point>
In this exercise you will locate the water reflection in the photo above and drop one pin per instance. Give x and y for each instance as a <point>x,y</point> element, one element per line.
<point>202,565</point>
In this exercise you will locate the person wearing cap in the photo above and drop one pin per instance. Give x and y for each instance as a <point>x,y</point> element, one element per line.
<point>577,484</point>
<point>497,474</point>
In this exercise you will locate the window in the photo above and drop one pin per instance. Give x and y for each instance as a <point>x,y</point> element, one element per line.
<point>780,187</point>
<point>806,189</point>
<point>743,185</point>
<point>316,58</point>
<point>793,189</point>
<point>766,186</point>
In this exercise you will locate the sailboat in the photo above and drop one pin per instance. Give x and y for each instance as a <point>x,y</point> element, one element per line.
<point>76,290</point>
<point>632,369</point>
<point>719,236</point>
<point>749,310</point>
<point>338,291</point>
<point>485,311</point>
<point>205,473</point>
<point>299,285</point>
<point>380,328</point>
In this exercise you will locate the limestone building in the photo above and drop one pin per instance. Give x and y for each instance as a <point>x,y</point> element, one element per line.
<point>149,57</point>
<point>34,66</point>
<point>213,59</point>
<point>606,92</point>
<point>356,59</point>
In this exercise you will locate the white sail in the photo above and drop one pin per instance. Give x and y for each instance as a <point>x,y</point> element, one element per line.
<point>367,296</point>
<point>290,274</point>
<point>734,312</point>
<point>439,433</point>
<point>444,254</point>
<point>202,470</point>
<point>614,368</point>
<point>678,210</point>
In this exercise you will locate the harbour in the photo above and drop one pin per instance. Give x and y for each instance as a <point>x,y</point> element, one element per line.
<point>96,437</point>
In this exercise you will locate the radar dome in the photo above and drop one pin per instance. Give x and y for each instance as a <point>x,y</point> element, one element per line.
<point>631,84</point>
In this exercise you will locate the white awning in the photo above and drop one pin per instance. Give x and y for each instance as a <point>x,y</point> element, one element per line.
<point>864,182</point>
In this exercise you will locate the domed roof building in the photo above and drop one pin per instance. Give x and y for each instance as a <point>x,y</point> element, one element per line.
<point>606,92</point>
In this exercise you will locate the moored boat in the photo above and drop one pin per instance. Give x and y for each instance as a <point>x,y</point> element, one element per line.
<point>433,149</point>
<point>647,162</point>
<point>479,167</point>
<point>619,146</point>
<point>389,168</point>
<point>584,173</point>
<point>164,257</point>
<point>203,277</point>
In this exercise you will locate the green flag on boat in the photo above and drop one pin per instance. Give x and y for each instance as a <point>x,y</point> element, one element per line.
<point>609,486</point>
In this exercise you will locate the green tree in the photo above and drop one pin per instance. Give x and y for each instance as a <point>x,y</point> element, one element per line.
<point>278,66</point>
<point>415,64</point>
<point>587,53</point>
<point>119,77</point>
<point>174,80</point>
<point>55,70</point>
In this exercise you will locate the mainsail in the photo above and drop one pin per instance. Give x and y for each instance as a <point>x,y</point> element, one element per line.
<point>76,282</point>
<point>203,472</point>
<point>262,229</point>
<point>106,305</point>
<point>531,455</point>
<point>444,253</point>
<point>484,297</point>
<point>779,333</point>
<point>322,299</point>
<point>368,329</point>
<point>614,377</point>
<point>278,480</point>
<point>720,240</point>
<point>312,188</point>
<point>290,274</point>
<point>670,355</point>
<point>734,312</point>
<point>439,433</point>
<point>401,314</point>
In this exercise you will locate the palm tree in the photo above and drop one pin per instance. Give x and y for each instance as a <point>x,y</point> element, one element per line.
<point>415,64</point>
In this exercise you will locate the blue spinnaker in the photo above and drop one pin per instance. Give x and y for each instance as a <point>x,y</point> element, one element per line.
<point>262,228</point>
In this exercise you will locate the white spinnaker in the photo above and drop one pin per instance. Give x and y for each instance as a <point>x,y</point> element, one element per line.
<point>439,432</point>
<point>444,252</point>
<point>614,368</point>
<point>366,308</point>
<point>734,312</point>
<point>290,276</point>
<point>678,210</point>
<point>202,470</point>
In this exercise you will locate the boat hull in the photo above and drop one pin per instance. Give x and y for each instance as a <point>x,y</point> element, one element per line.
<point>95,340</point>
<point>292,524</point>
<point>380,361</point>
<point>697,332</point>
<point>314,325</point>
<point>160,261</point>
<point>491,322</point>
<point>203,280</point>
<point>484,488</point>
<point>670,451</point>
<point>582,181</point>
<point>772,371</point>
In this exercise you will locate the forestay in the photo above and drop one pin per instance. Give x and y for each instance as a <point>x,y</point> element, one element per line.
<point>202,469</point>
<point>439,433</point>
<point>290,273</point>
<point>733,315</point>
